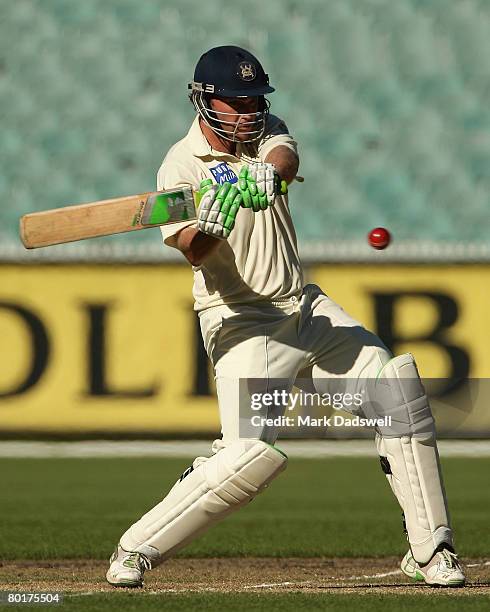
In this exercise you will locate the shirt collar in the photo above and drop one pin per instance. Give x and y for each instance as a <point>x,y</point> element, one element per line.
<point>200,146</point>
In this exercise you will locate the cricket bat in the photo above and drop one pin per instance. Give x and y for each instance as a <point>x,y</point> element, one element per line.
<point>106,217</point>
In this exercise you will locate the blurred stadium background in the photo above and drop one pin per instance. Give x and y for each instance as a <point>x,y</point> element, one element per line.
<point>389,104</point>
<point>388,100</point>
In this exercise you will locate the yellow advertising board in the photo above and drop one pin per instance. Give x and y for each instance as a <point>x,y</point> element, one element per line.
<point>419,308</point>
<point>100,348</point>
<point>116,348</point>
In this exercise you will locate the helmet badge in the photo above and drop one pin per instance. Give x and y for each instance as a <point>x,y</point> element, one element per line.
<point>246,71</point>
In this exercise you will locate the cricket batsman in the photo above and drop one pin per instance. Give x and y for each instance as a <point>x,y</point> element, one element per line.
<point>260,321</point>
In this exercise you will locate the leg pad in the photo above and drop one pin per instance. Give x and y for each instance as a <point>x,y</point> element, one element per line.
<point>213,489</point>
<point>409,457</point>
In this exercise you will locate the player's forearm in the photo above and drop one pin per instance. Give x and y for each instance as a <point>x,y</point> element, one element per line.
<point>195,245</point>
<point>285,161</point>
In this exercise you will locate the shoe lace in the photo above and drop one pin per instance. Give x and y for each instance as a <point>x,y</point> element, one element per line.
<point>136,560</point>
<point>450,559</point>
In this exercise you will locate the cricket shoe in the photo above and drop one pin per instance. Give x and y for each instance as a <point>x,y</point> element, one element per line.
<point>127,568</point>
<point>443,569</point>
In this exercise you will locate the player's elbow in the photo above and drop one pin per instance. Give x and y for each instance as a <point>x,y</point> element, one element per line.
<point>193,258</point>
<point>195,246</point>
<point>190,253</point>
<point>285,161</point>
<point>196,257</point>
<point>290,172</point>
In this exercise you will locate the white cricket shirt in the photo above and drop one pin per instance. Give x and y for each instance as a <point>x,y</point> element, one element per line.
<point>259,260</point>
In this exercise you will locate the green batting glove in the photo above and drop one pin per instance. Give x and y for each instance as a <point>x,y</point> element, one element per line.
<point>259,185</point>
<point>218,208</point>
<point>252,196</point>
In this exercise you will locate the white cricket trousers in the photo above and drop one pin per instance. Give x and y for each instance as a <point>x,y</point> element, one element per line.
<point>309,338</point>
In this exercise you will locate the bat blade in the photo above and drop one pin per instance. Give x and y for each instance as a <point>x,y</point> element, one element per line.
<point>107,217</point>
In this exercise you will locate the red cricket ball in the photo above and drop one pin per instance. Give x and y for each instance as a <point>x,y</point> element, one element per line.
<point>379,238</point>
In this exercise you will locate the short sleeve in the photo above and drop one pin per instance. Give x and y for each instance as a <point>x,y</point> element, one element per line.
<point>172,175</point>
<point>276,134</point>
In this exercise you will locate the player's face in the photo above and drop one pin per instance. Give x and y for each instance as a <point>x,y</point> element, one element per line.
<point>236,115</point>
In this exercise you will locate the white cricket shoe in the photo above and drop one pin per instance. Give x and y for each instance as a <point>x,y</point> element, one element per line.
<point>127,568</point>
<point>443,569</point>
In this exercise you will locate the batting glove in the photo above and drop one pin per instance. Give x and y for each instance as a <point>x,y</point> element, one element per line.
<point>259,184</point>
<point>218,208</point>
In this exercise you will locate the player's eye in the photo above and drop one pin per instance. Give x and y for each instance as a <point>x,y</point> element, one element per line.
<point>244,105</point>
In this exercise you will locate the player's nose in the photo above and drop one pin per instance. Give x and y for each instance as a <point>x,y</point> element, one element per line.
<point>247,117</point>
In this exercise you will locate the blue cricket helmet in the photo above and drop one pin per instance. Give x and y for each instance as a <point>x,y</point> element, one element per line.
<point>230,71</point>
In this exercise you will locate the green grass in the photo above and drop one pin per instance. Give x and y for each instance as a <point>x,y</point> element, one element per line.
<point>76,508</point>
<point>271,602</point>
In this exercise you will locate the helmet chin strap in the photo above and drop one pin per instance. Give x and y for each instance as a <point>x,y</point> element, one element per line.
<point>210,118</point>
